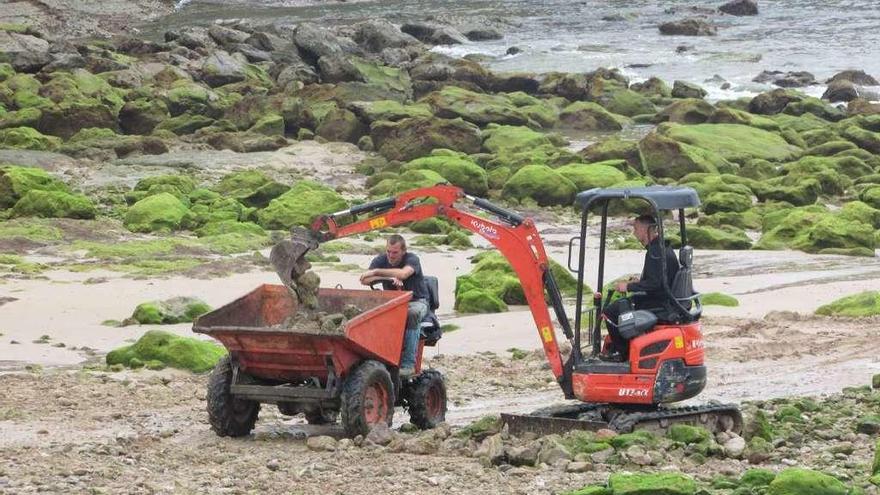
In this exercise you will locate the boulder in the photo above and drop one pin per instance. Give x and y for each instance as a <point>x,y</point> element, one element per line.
<point>170,311</point>
<point>483,34</point>
<point>479,301</point>
<point>854,76</point>
<point>457,170</point>
<point>841,90</point>
<point>863,304</point>
<point>797,481</point>
<point>481,109</point>
<point>509,139</point>
<point>614,148</point>
<point>337,68</point>
<point>867,140</point>
<point>686,111</point>
<point>376,35</point>
<point>315,42</point>
<point>162,212</point>
<point>250,187</point>
<point>220,68</point>
<point>652,484</point>
<point>167,349</point>
<point>225,36</point>
<point>433,34</point>
<point>654,86</point>
<point>53,204</point>
<point>871,196</point>
<point>711,238</point>
<point>629,103</point>
<point>733,116</point>
<point>773,102</point>
<point>733,142</point>
<point>16,182</point>
<point>689,27</point>
<point>443,69</point>
<point>791,79</point>
<point>666,157</point>
<point>184,124</point>
<point>540,183</point>
<point>585,176</point>
<point>414,137</point>
<point>687,434</point>
<point>726,202</point>
<point>299,205</point>
<point>740,7</point>
<point>588,116</point>
<point>390,110</point>
<point>142,116</point>
<point>68,118</point>
<point>27,138</point>
<point>341,125</point>
<point>24,52</point>
<point>682,89</point>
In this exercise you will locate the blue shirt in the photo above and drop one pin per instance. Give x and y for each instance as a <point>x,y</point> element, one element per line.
<point>414,283</point>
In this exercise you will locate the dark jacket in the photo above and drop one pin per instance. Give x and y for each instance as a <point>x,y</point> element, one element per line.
<point>415,282</point>
<point>651,281</point>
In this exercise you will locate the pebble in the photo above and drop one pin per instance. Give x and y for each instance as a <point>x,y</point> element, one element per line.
<point>273,464</point>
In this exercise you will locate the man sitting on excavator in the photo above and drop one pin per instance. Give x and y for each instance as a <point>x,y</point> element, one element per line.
<point>399,269</point>
<point>649,288</point>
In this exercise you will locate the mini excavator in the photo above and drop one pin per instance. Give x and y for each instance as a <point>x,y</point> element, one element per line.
<point>666,356</point>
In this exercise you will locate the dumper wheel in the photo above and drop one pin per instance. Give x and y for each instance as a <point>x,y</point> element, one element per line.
<point>367,398</point>
<point>228,416</point>
<point>321,417</point>
<point>426,397</point>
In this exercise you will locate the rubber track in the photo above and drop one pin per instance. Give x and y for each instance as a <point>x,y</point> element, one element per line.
<point>626,422</point>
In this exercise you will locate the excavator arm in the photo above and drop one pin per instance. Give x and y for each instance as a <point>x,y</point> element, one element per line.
<point>513,235</point>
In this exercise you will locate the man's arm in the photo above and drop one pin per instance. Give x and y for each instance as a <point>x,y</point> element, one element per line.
<point>652,281</point>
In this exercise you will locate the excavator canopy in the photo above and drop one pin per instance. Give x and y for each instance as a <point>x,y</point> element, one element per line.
<point>663,197</point>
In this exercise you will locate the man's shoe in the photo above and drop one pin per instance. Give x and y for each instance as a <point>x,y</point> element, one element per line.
<point>612,357</point>
<point>407,372</point>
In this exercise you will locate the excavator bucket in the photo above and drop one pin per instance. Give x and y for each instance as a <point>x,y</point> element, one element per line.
<point>288,256</point>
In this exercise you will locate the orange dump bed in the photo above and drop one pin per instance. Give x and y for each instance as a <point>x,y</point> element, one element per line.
<point>254,330</point>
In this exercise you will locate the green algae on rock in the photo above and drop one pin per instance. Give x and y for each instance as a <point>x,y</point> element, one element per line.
<point>54,204</point>
<point>588,176</point>
<point>865,303</point>
<point>718,299</point>
<point>162,212</point>
<point>170,311</point>
<point>798,481</point>
<point>414,137</point>
<point>458,170</point>
<point>541,183</point>
<point>652,484</point>
<point>300,205</point>
<point>16,182</point>
<point>27,138</point>
<point>184,353</point>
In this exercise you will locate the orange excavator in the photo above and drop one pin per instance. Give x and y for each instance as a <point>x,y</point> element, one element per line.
<point>666,356</point>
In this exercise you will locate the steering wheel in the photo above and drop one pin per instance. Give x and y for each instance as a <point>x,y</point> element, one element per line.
<point>378,282</point>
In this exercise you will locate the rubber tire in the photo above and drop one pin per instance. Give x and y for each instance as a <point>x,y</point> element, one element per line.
<point>368,375</point>
<point>321,417</point>
<point>229,417</point>
<point>287,409</point>
<point>426,396</point>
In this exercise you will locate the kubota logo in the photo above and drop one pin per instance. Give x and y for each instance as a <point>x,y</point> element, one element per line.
<point>487,231</point>
<point>632,392</point>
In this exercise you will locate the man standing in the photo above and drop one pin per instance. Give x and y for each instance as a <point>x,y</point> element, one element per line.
<point>651,284</point>
<point>399,269</point>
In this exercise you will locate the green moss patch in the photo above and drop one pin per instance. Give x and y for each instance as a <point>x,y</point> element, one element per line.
<point>54,204</point>
<point>160,213</point>
<point>16,182</point>
<point>857,305</point>
<point>170,311</point>
<point>652,484</point>
<point>734,142</point>
<point>177,352</point>
<point>718,299</point>
<point>457,170</point>
<point>797,481</point>
<point>540,183</point>
<point>300,205</point>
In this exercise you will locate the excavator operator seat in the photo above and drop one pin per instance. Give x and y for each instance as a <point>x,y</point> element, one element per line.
<point>430,324</point>
<point>683,284</point>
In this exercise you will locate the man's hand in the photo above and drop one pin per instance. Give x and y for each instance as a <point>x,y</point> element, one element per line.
<point>366,275</point>
<point>397,282</point>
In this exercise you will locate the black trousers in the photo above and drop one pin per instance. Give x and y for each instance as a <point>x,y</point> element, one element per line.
<point>612,313</point>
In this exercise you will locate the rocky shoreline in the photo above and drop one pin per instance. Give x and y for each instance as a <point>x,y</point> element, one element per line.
<point>190,155</point>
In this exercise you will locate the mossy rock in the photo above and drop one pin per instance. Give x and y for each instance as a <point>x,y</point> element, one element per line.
<point>712,238</point>
<point>835,235</point>
<point>733,142</point>
<point>183,184</point>
<point>540,183</point>
<point>687,111</point>
<point>169,312</point>
<point>184,124</point>
<point>629,103</point>
<point>867,140</point>
<point>251,187</point>
<point>415,137</point>
<point>341,125</point>
<point>16,182</point>
<point>411,179</point>
<point>216,210</point>
<point>871,196</point>
<point>823,170</point>
<point>757,478</point>
<point>788,414</point>
<point>177,352</point>
<point>588,176</point>
<point>759,426</point>
<point>718,299</point>
<point>865,303</point>
<point>484,427</point>
<point>652,484</point>
<point>726,202</point>
<point>687,434</point>
<point>457,170</point>
<point>614,148</point>
<point>142,115</point>
<point>300,205</point>
<point>583,442</point>
<point>638,437</point>
<point>875,469</point>
<point>162,212</point>
<point>269,125</point>
<point>668,158</point>
<point>223,227</point>
<point>546,154</point>
<point>26,117</point>
<point>591,490</point>
<point>747,220</point>
<point>187,97</point>
<point>27,138</point>
<point>734,116</point>
<point>797,481</point>
<point>389,110</point>
<point>511,139</point>
<point>783,225</point>
<point>479,301</point>
<point>478,108</point>
<point>805,192</point>
<point>589,116</point>
<point>54,204</point>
